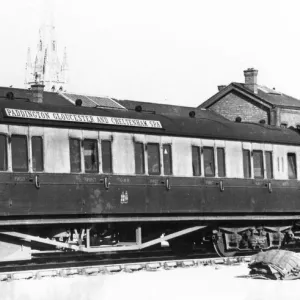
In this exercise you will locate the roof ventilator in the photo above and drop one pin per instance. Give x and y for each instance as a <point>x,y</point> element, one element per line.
<point>138,108</point>
<point>192,114</point>
<point>10,96</point>
<point>78,102</point>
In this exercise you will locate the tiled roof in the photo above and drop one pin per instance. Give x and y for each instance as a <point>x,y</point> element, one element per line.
<point>265,95</point>
<point>61,98</point>
<point>169,110</point>
<point>93,101</point>
<point>274,97</point>
<point>25,94</point>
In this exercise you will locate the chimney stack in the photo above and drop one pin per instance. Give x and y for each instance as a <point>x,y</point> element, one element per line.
<point>37,92</point>
<point>251,79</point>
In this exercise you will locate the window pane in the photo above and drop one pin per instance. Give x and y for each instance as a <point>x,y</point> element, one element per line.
<point>3,153</point>
<point>167,156</point>
<point>292,166</point>
<point>153,159</point>
<point>19,153</point>
<point>37,154</point>
<point>269,164</point>
<point>221,162</point>
<point>106,156</point>
<point>209,161</point>
<point>139,158</point>
<point>246,163</point>
<point>75,155</point>
<point>258,164</point>
<point>90,150</point>
<point>196,161</point>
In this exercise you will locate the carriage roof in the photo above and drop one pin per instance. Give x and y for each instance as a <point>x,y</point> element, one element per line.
<point>206,125</point>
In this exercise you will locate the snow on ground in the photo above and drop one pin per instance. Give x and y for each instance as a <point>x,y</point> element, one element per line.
<point>210,282</point>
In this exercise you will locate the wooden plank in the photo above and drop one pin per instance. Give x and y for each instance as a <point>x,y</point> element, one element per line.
<point>49,221</point>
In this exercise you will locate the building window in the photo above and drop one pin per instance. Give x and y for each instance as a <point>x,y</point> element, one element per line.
<point>90,150</point>
<point>246,163</point>
<point>19,153</point>
<point>106,156</point>
<point>269,164</point>
<point>209,162</point>
<point>153,159</point>
<point>196,162</point>
<point>167,157</point>
<point>221,162</point>
<point>139,158</point>
<point>292,166</point>
<point>37,154</point>
<point>258,164</point>
<point>75,155</point>
<point>3,153</point>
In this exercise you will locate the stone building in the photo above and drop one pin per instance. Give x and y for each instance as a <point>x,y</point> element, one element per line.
<point>253,103</point>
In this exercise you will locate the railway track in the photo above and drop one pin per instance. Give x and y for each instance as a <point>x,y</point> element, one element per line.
<point>110,265</point>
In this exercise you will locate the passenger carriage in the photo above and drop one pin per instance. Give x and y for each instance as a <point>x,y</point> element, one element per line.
<point>96,180</point>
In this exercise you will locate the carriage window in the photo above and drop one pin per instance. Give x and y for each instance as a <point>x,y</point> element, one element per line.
<point>153,159</point>
<point>196,161</point>
<point>167,156</point>
<point>75,155</point>
<point>269,164</point>
<point>209,161</point>
<point>90,150</point>
<point>37,154</point>
<point>139,158</point>
<point>258,164</point>
<point>106,156</point>
<point>221,162</point>
<point>292,166</point>
<point>3,153</point>
<point>247,163</point>
<point>19,153</point>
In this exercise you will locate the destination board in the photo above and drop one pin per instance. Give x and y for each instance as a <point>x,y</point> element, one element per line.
<point>65,117</point>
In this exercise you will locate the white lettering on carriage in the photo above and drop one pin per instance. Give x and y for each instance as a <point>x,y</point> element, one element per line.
<point>54,116</point>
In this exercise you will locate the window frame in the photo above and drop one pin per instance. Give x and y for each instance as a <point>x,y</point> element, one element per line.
<point>27,152</point>
<point>143,158</point>
<point>42,156</point>
<point>266,165</point>
<point>262,164</point>
<point>224,161</point>
<point>170,158</point>
<point>296,173</point>
<point>82,163</point>
<point>6,150</point>
<point>97,155</point>
<point>249,164</point>
<point>199,149</point>
<point>214,161</point>
<point>111,156</point>
<point>159,159</point>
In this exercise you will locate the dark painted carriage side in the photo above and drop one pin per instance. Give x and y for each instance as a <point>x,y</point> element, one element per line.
<point>80,195</point>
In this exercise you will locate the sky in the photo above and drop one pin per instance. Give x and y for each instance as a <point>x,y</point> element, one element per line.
<point>167,51</point>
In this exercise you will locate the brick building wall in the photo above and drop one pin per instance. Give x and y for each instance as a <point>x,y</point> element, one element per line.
<point>291,117</point>
<point>233,105</point>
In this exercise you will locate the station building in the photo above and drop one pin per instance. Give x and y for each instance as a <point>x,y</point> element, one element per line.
<point>251,102</point>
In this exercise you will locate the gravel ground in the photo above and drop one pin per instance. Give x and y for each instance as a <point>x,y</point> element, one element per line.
<point>210,282</point>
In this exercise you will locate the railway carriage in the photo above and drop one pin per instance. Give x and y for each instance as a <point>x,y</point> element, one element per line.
<point>96,180</point>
